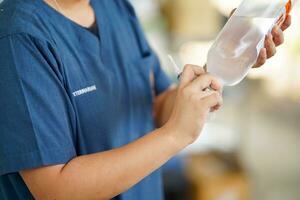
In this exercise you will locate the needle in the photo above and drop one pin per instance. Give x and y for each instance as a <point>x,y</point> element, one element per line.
<point>175,67</point>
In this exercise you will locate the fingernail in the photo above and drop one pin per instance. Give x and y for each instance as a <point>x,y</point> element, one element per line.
<point>270,36</point>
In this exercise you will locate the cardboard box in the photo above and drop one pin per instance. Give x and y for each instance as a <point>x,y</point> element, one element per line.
<point>214,178</point>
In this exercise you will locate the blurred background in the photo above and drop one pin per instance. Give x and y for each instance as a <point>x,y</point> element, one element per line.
<point>250,149</point>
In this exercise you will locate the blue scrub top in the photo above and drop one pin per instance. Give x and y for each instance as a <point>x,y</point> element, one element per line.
<point>66,92</point>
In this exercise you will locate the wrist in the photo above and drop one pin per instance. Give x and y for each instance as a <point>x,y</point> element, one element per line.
<point>173,139</point>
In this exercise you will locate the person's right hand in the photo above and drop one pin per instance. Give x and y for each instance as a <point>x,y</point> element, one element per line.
<point>193,103</point>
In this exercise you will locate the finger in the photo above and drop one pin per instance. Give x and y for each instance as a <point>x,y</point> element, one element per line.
<point>287,23</point>
<point>205,81</point>
<point>204,94</point>
<point>270,46</point>
<point>278,37</point>
<point>189,73</point>
<point>213,100</point>
<point>215,108</point>
<point>262,58</point>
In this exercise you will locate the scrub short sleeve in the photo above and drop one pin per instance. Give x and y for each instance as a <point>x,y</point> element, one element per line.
<point>162,81</point>
<point>36,115</point>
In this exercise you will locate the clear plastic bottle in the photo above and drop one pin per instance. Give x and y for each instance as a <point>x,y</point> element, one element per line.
<point>237,47</point>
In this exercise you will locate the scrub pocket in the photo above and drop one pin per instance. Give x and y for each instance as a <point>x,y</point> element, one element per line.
<point>140,78</point>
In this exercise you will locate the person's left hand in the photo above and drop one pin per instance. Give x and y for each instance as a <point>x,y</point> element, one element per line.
<point>273,40</point>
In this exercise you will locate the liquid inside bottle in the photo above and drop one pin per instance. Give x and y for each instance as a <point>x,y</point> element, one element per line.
<point>237,48</point>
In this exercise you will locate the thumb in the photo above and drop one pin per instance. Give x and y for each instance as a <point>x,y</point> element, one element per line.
<point>190,73</point>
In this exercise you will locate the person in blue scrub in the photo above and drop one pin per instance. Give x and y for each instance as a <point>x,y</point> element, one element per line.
<point>86,112</point>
